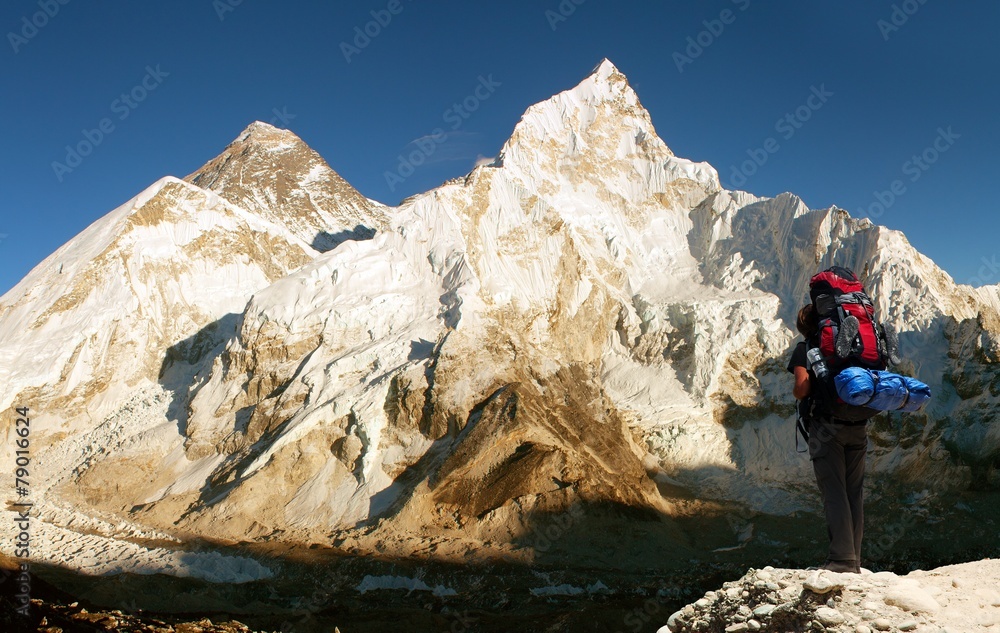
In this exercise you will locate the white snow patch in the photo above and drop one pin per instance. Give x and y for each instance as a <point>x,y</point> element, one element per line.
<point>375,583</point>
<point>570,590</point>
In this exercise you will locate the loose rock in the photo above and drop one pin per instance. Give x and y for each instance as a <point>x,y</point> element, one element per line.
<point>673,622</point>
<point>823,583</point>
<point>829,617</point>
<point>911,597</point>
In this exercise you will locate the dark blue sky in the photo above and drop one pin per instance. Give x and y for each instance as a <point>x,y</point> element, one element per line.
<point>889,93</point>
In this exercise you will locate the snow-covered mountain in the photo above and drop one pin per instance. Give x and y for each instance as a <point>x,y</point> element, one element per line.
<point>589,327</point>
<point>101,312</point>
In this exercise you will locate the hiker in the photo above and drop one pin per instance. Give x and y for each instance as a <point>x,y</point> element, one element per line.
<point>841,381</point>
<point>837,449</point>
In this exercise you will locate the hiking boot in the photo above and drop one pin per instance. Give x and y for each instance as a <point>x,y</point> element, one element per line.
<point>841,566</point>
<point>848,331</point>
<point>891,343</point>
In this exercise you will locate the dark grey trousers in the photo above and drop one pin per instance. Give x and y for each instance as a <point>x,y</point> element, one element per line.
<point>838,456</point>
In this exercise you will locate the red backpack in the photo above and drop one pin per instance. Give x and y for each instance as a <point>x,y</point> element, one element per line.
<point>848,336</point>
<point>837,296</point>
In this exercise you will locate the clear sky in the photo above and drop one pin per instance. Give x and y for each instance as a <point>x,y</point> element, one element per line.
<point>833,101</point>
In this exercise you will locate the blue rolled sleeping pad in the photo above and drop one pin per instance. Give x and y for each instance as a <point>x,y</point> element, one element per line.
<point>881,390</point>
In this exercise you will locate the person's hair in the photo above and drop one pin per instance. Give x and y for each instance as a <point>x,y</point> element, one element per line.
<point>807,323</point>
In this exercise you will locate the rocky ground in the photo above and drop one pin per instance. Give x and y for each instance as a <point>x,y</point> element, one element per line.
<point>54,611</point>
<point>55,618</point>
<point>948,599</point>
<point>953,599</point>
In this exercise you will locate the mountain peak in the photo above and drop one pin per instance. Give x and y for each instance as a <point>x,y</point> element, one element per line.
<point>605,83</point>
<point>260,126</point>
<point>273,173</point>
<point>265,132</point>
<point>597,127</point>
<point>603,99</point>
<point>605,69</point>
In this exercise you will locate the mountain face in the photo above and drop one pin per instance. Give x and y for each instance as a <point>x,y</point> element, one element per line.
<point>101,312</point>
<point>588,335</point>
<point>270,172</point>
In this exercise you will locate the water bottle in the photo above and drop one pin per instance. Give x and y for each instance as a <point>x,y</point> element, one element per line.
<point>816,363</point>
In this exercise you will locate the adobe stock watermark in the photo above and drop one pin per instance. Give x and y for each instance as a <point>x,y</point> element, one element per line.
<point>24,514</point>
<point>463,621</point>
<point>913,169</point>
<point>303,616</point>
<point>223,7</point>
<point>563,12</point>
<point>32,25</point>
<point>987,273</point>
<point>455,117</point>
<point>884,537</point>
<point>786,127</point>
<point>913,343</point>
<point>363,35</point>
<point>281,117</point>
<point>560,526</point>
<point>123,106</point>
<point>655,608</point>
<point>697,44</point>
<point>900,15</point>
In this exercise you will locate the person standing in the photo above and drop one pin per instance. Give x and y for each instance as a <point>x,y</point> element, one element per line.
<point>837,450</point>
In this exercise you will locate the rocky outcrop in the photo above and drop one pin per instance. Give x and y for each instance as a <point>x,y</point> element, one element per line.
<point>958,598</point>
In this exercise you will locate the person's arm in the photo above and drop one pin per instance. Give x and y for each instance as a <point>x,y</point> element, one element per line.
<point>801,389</point>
